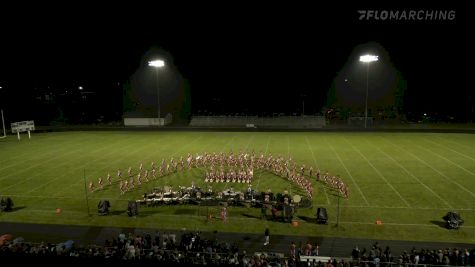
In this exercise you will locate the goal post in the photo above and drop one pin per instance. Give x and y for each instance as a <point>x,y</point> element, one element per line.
<point>23,126</point>
<point>3,124</point>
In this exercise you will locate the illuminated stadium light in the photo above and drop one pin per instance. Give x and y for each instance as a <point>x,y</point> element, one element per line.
<point>157,63</point>
<point>368,58</point>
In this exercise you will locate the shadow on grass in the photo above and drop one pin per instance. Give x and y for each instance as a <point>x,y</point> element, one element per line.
<point>17,208</point>
<point>146,213</point>
<point>439,223</point>
<point>185,211</point>
<point>308,219</point>
<point>250,216</point>
<point>117,212</point>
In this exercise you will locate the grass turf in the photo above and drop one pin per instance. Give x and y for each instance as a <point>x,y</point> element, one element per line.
<point>406,180</point>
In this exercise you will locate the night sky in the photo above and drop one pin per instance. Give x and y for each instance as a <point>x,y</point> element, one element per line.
<point>253,59</point>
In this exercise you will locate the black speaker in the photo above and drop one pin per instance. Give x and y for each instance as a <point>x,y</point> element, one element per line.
<point>6,204</point>
<point>322,216</point>
<point>132,208</point>
<point>453,220</point>
<point>288,212</point>
<point>103,207</point>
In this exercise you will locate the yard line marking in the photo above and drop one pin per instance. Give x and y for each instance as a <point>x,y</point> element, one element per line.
<point>36,175</point>
<point>446,159</point>
<point>316,165</point>
<point>35,143</point>
<point>65,189</point>
<point>135,152</point>
<point>54,152</point>
<point>347,171</point>
<point>248,142</point>
<point>412,175</point>
<point>81,180</point>
<point>446,147</point>
<point>38,146</point>
<point>325,205</point>
<point>404,224</point>
<point>378,172</point>
<point>62,176</point>
<point>288,146</point>
<point>437,171</point>
<point>62,145</point>
<point>260,174</point>
<point>455,142</point>
<point>72,212</point>
<point>399,207</point>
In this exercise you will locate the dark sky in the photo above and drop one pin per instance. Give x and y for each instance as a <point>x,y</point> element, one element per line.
<point>245,57</point>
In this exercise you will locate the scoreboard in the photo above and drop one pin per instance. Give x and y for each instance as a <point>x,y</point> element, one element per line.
<point>22,126</point>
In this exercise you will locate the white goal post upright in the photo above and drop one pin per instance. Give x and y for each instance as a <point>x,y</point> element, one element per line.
<point>3,124</point>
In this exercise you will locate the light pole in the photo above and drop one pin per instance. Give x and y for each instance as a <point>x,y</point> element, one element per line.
<point>367,59</point>
<point>157,64</point>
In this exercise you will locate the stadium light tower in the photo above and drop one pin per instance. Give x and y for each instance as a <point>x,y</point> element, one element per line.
<point>158,63</point>
<point>367,59</point>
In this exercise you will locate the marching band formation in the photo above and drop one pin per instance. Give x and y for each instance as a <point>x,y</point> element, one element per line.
<point>227,167</point>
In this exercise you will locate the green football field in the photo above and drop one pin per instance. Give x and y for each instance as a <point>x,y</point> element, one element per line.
<point>406,180</point>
